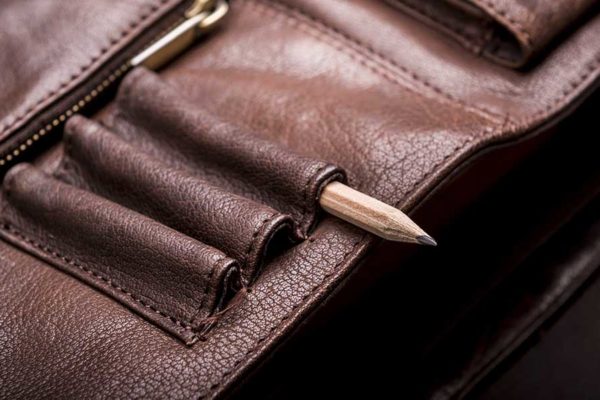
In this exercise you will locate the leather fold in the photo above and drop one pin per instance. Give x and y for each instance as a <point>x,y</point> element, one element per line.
<point>416,122</point>
<point>97,160</point>
<point>164,207</point>
<point>509,32</point>
<point>164,123</point>
<point>168,277</point>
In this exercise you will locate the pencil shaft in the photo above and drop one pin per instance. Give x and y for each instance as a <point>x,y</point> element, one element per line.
<point>371,214</point>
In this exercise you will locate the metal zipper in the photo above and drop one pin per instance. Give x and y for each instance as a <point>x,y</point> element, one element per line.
<point>199,18</point>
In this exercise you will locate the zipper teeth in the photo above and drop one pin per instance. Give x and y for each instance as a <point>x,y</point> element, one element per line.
<point>60,120</point>
<point>78,106</point>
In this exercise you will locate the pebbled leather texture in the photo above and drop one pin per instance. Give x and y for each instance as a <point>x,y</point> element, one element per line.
<point>166,276</point>
<point>60,56</point>
<point>509,32</point>
<point>175,129</point>
<point>356,84</point>
<point>102,162</point>
<point>208,180</point>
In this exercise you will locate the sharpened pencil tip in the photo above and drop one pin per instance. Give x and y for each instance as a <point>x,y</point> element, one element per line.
<point>426,240</point>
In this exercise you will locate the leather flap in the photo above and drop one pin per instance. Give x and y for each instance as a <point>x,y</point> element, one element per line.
<point>401,115</point>
<point>510,32</point>
<point>165,207</point>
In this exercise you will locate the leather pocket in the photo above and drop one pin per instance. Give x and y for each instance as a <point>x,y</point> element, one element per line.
<point>510,32</point>
<point>100,161</point>
<point>168,277</point>
<point>165,124</point>
<point>165,207</point>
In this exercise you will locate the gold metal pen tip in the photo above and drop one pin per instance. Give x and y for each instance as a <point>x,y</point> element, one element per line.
<point>426,240</point>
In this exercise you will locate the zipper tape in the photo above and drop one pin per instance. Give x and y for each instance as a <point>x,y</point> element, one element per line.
<point>200,17</point>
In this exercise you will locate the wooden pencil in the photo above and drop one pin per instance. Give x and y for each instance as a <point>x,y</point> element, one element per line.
<point>372,215</point>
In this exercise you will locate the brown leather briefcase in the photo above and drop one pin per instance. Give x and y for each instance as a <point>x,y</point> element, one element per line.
<point>160,232</point>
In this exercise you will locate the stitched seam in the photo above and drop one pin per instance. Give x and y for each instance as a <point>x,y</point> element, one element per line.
<point>296,306</point>
<point>257,231</point>
<point>364,54</point>
<point>513,23</point>
<point>327,34</point>
<point>55,254</point>
<point>67,163</point>
<point>472,40</point>
<point>114,43</point>
<point>323,281</point>
<point>216,265</point>
<point>278,6</point>
<point>213,387</point>
<point>476,44</point>
<point>589,70</point>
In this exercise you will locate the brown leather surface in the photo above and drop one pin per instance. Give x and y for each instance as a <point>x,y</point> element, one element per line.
<point>166,276</point>
<point>314,80</point>
<point>432,293</point>
<point>206,179</point>
<point>408,54</point>
<point>50,48</point>
<point>156,118</point>
<point>507,31</point>
<point>113,168</point>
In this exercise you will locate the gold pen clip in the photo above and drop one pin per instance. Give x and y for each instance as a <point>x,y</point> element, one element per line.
<point>202,16</point>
